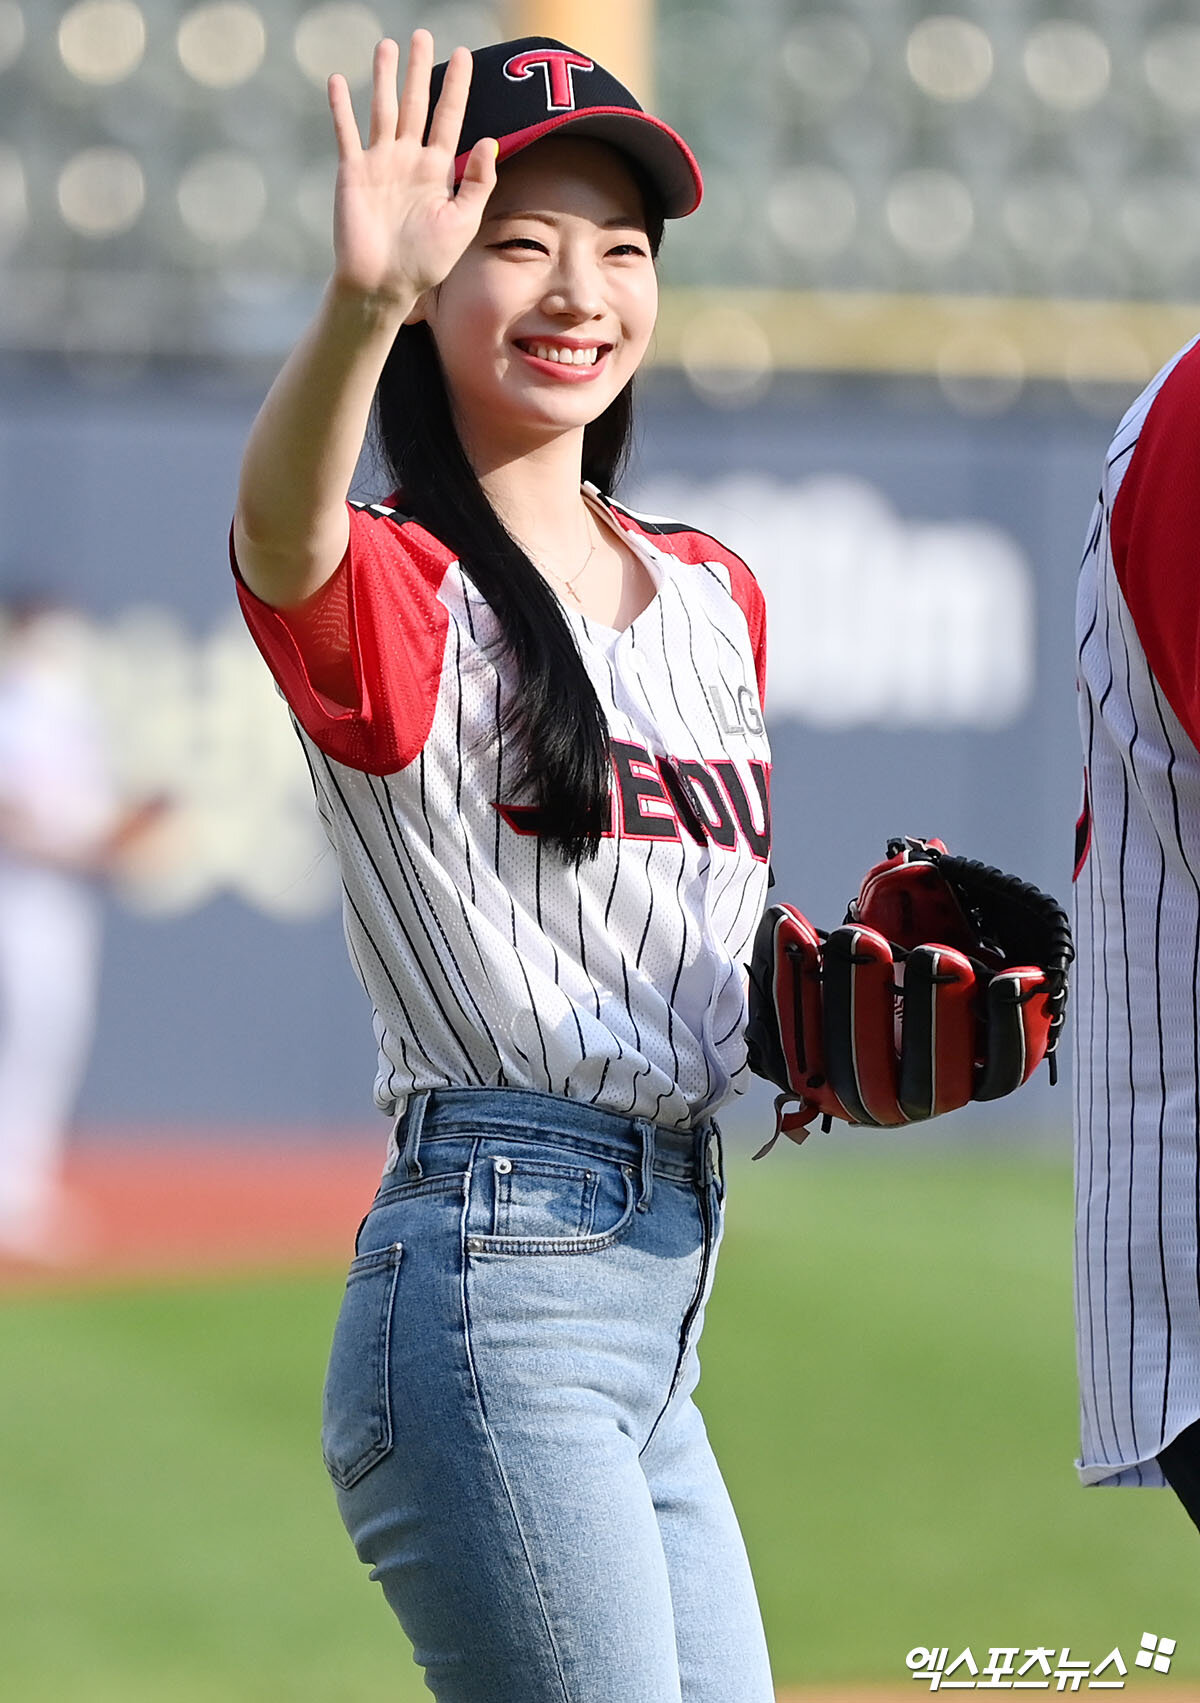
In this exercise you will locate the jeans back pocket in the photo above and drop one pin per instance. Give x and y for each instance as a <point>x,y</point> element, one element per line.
<point>356,1425</point>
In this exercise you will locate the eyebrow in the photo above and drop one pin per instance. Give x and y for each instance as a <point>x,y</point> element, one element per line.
<point>619,222</point>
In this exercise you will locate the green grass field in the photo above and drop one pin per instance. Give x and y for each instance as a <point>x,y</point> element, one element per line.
<point>888,1382</point>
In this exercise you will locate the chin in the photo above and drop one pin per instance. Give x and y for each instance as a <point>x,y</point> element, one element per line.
<point>540,414</point>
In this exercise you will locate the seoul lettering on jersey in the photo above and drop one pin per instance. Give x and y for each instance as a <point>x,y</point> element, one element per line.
<point>659,798</point>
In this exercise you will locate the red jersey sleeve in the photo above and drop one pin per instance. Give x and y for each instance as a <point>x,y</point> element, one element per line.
<point>360,661</point>
<point>699,547</point>
<point>1155,536</point>
<point>747,594</point>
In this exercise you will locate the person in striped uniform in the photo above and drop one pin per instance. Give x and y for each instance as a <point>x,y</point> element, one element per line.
<point>534,722</point>
<point>1137,980</point>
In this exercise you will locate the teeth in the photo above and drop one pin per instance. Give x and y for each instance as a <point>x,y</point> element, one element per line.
<point>566,357</point>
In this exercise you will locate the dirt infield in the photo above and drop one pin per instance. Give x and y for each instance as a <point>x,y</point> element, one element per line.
<point>191,1207</point>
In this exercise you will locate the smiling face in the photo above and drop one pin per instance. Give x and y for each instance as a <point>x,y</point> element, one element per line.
<point>548,314</point>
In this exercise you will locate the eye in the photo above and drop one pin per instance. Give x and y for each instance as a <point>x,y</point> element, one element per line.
<point>628,248</point>
<point>522,242</point>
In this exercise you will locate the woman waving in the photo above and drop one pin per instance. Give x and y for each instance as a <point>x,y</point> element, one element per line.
<point>534,724</point>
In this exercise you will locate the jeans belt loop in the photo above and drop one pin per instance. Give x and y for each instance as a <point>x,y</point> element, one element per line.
<point>702,1136</point>
<point>414,1119</point>
<point>646,1130</point>
<point>716,1168</point>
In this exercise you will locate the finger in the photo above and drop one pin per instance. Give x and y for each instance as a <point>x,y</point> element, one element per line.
<point>383,92</point>
<point>345,125</point>
<point>414,97</point>
<point>479,177</point>
<point>452,103</point>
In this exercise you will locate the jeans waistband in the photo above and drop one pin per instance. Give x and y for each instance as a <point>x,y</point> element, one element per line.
<point>437,1114</point>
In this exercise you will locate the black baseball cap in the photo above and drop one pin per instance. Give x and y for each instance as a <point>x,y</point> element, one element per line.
<point>524,90</point>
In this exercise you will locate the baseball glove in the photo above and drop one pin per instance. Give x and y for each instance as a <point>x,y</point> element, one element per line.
<point>946,983</point>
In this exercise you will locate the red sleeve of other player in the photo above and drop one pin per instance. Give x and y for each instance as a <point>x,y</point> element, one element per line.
<point>360,661</point>
<point>1155,533</point>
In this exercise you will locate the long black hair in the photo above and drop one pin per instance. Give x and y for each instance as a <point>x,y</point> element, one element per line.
<point>554,711</point>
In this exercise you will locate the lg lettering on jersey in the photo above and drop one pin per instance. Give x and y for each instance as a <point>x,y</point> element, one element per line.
<point>557,66</point>
<point>658,797</point>
<point>738,715</point>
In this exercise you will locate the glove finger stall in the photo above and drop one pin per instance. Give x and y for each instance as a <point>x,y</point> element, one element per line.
<point>861,1060</point>
<point>938,1033</point>
<point>1019,1022</point>
<point>785,1035</point>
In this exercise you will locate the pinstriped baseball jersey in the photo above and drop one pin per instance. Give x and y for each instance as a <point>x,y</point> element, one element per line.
<point>1137,986</point>
<point>487,960</point>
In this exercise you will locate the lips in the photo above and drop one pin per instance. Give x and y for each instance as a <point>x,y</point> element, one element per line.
<point>564,360</point>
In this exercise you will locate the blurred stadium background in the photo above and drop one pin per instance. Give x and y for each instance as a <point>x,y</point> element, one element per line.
<point>941,249</point>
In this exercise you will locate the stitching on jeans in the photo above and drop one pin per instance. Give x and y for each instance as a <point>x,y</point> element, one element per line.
<point>676,1168</point>
<point>440,1182</point>
<point>487,1430</point>
<point>707,1250</point>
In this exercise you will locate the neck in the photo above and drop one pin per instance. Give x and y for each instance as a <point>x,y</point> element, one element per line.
<point>537,495</point>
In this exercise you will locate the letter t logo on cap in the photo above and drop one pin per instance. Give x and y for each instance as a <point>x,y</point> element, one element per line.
<point>556,65</point>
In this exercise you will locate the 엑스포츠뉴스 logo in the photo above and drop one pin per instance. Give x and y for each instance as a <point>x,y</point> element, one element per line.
<point>557,65</point>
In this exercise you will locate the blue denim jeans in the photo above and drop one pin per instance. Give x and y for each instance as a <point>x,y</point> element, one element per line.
<point>509,1419</point>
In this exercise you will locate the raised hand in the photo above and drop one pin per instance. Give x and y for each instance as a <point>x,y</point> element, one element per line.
<point>399,227</point>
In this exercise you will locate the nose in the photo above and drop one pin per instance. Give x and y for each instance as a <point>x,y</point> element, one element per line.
<point>574,290</point>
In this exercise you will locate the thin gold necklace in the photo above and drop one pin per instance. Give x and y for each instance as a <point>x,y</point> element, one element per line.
<point>568,585</point>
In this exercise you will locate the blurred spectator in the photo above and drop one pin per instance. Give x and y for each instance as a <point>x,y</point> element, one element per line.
<point>61,827</point>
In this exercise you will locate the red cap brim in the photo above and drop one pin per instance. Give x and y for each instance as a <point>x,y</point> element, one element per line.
<point>663,155</point>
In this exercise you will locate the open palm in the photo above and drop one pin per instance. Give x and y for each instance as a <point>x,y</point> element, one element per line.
<point>399,227</point>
